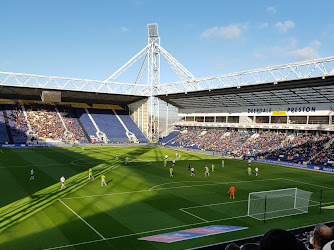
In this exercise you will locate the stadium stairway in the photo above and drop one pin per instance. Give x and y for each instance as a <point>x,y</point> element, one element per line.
<point>75,115</point>
<point>109,124</point>
<point>131,125</point>
<point>3,128</point>
<point>86,122</point>
<point>169,138</point>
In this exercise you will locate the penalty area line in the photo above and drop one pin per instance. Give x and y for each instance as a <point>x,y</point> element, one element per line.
<point>193,215</point>
<point>83,220</point>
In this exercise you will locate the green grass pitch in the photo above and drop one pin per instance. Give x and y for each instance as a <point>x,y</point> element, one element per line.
<point>140,198</point>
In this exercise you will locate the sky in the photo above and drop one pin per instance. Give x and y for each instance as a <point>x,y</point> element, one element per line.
<point>92,39</point>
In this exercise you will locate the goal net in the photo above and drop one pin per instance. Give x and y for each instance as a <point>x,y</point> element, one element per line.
<point>278,203</point>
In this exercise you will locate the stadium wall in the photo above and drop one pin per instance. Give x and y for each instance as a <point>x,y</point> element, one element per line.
<point>318,109</point>
<point>139,114</point>
<point>312,116</point>
<point>292,164</point>
<point>168,115</point>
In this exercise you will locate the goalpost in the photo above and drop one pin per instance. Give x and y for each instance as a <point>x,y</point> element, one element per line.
<point>278,203</point>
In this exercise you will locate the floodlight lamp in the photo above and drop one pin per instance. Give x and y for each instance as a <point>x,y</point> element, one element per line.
<point>152,29</point>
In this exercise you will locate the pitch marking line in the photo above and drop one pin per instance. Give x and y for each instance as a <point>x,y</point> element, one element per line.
<point>173,182</point>
<point>193,215</point>
<point>83,220</point>
<point>152,231</point>
<point>214,204</point>
<point>162,229</point>
<point>208,184</point>
<point>158,189</point>
<point>306,183</point>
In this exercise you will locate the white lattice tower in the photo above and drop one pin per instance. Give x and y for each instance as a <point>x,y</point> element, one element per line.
<point>153,80</point>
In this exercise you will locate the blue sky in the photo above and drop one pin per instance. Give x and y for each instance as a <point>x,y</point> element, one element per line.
<point>92,39</point>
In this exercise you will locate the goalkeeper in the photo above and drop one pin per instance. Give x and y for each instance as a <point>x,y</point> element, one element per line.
<point>231,191</point>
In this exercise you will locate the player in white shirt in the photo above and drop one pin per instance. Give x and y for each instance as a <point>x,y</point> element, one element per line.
<point>62,180</point>
<point>32,175</point>
<point>173,162</point>
<point>256,171</point>
<point>116,156</point>
<point>249,162</point>
<point>176,155</point>
<point>192,172</point>
<point>166,157</point>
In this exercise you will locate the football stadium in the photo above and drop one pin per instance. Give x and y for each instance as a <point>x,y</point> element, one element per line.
<point>199,163</point>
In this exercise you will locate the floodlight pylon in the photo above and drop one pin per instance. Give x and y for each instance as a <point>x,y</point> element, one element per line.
<point>153,52</point>
<point>153,80</point>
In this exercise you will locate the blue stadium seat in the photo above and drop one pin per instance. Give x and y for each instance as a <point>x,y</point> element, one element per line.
<point>131,125</point>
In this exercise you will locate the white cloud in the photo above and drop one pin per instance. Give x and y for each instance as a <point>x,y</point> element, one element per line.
<point>308,52</point>
<point>224,32</point>
<point>315,43</point>
<point>271,9</point>
<point>7,63</point>
<point>290,50</point>
<point>305,53</point>
<point>124,29</point>
<point>285,26</point>
<point>258,55</point>
<point>263,25</point>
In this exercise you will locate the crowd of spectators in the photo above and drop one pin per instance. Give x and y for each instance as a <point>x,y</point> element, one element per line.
<point>325,156</point>
<point>72,125</point>
<point>44,122</point>
<point>303,148</point>
<point>321,238</point>
<point>47,124</point>
<point>298,148</point>
<point>18,124</point>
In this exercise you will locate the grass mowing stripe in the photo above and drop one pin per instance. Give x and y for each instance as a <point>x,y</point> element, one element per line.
<point>82,220</point>
<point>138,212</point>
<point>215,204</point>
<point>167,188</point>
<point>152,231</point>
<point>306,183</point>
<point>193,215</point>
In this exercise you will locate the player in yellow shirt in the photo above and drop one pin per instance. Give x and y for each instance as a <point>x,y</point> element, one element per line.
<point>223,162</point>
<point>126,160</point>
<point>171,172</point>
<point>103,180</point>
<point>212,168</point>
<point>207,171</point>
<point>249,170</point>
<point>165,162</point>
<point>90,174</point>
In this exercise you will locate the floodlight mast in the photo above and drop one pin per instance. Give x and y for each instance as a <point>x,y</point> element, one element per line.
<point>153,80</point>
<point>151,54</point>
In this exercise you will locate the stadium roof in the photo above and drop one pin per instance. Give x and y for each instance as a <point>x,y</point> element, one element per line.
<point>303,91</point>
<point>26,93</point>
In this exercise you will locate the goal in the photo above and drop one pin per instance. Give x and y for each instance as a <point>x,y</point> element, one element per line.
<point>278,203</point>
